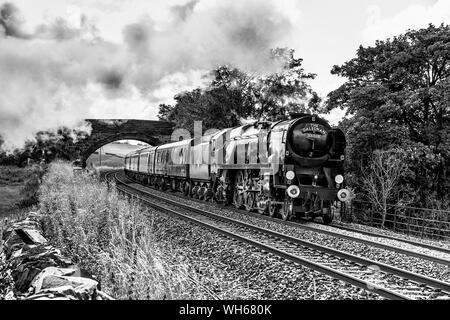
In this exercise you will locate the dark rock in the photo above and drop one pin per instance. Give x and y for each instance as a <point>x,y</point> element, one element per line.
<point>39,271</point>
<point>30,260</point>
<point>49,296</point>
<point>23,278</point>
<point>30,236</point>
<point>50,271</point>
<point>58,280</point>
<point>12,242</point>
<point>83,273</point>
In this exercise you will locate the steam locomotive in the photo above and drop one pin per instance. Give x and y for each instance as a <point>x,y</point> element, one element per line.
<point>288,168</point>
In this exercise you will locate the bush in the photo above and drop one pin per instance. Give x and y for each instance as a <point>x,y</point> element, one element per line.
<point>31,188</point>
<point>111,237</point>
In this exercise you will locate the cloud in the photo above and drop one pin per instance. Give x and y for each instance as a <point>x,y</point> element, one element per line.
<point>61,70</point>
<point>182,12</point>
<point>10,21</point>
<point>207,34</point>
<point>413,17</point>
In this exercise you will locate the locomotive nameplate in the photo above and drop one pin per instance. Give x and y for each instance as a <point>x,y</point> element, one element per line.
<point>314,128</point>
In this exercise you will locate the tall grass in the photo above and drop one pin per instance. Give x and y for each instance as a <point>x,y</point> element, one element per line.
<point>109,236</point>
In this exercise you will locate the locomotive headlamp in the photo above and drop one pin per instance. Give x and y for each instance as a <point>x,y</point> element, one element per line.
<point>293,191</point>
<point>343,195</point>
<point>290,175</point>
<point>339,179</point>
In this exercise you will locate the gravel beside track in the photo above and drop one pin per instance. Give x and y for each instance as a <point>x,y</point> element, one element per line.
<point>439,253</point>
<point>233,270</point>
<point>390,235</point>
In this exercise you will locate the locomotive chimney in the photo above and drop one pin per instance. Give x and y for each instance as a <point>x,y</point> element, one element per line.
<point>295,115</point>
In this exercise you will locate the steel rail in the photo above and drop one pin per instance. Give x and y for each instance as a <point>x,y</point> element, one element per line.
<point>381,245</point>
<point>379,235</point>
<point>353,238</point>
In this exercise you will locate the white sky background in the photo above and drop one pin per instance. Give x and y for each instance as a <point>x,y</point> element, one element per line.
<point>322,32</point>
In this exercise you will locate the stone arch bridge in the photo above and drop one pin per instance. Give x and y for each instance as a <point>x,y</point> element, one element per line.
<point>105,131</point>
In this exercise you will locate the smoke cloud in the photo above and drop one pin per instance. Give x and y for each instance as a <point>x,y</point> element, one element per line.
<point>62,71</point>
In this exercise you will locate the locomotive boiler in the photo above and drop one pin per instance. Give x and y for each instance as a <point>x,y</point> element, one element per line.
<point>288,168</point>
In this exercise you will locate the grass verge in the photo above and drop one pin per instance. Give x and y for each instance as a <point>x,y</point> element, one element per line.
<point>18,189</point>
<point>110,237</point>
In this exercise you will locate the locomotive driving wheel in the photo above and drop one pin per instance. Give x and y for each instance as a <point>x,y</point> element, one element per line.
<point>238,195</point>
<point>173,185</point>
<point>273,209</point>
<point>186,188</point>
<point>263,204</point>
<point>219,196</point>
<point>250,200</point>
<point>163,184</point>
<point>327,213</point>
<point>287,209</point>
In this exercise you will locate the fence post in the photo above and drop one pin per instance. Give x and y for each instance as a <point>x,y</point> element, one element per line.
<point>408,219</point>
<point>371,215</point>
<point>423,223</point>
<point>395,218</point>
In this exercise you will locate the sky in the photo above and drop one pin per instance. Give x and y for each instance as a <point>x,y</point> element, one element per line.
<point>66,60</point>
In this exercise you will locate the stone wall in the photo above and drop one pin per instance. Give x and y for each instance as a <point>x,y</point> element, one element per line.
<point>38,271</point>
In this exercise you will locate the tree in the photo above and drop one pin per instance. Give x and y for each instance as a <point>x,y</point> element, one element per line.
<point>381,179</point>
<point>224,103</point>
<point>46,146</point>
<point>397,96</point>
<point>284,92</point>
<point>234,95</point>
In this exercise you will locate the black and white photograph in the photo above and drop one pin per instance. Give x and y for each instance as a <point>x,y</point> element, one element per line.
<point>224,158</point>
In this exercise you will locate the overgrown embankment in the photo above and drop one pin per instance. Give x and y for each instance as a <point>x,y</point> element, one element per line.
<point>111,238</point>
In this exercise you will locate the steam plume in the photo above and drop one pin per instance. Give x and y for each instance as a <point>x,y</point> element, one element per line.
<point>61,73</point>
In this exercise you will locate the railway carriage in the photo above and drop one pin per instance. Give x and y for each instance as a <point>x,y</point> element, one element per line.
<point>171,165</point>
<point>288,168</point>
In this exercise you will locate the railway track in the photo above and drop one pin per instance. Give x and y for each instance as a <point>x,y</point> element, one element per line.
<point>373,242</point>
<point>380,235</point>
<point>387,281</point>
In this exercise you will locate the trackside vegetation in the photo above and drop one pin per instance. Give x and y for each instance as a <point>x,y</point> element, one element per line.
<point>109,236</point>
